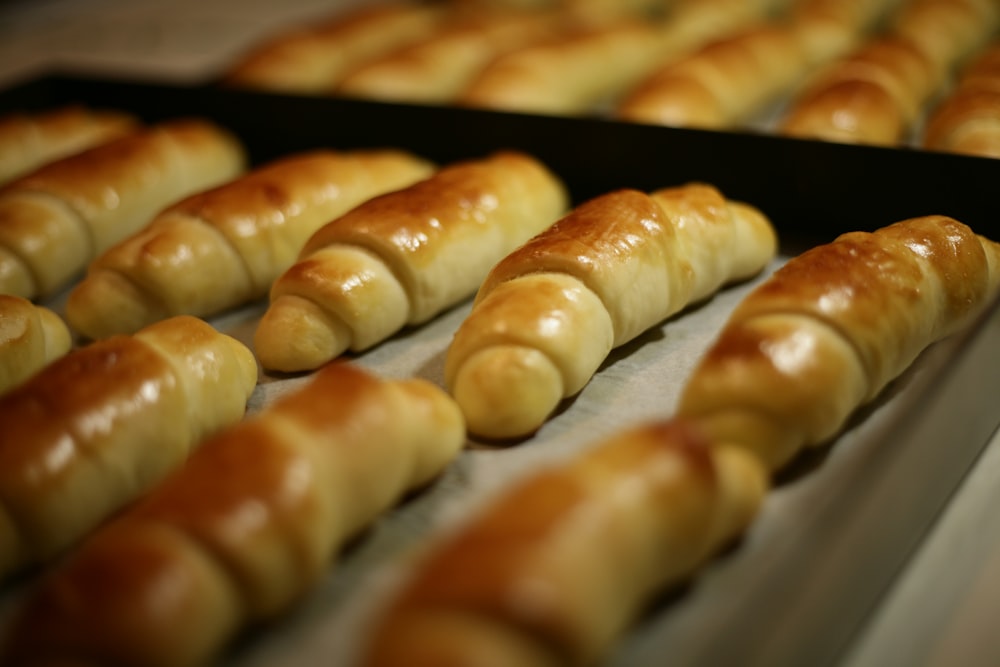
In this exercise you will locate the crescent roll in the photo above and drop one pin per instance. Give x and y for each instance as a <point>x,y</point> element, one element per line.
<point>402,258</point>
<point>314,58</point>
<point>30,139</point>
<point>832,327</point>
<point>552,570</point>
<point>872,95</point>
<point>437,68</point>
<point>967,119</point>
<point>721,85</point>
<point>30,337</point>
<point>573,73</point>
<point>948,31</point>
<point>102,424</point>
<point>223,247</point>
<point>245,529</point>
<point>548,314</point>
<point>57,219</point>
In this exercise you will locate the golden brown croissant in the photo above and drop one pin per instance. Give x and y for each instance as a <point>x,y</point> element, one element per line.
<point>947,31</point>
<point>548,314</point>
<point>437,68</point>
<point>830,29</point>
<point>223,247</point>
<point>723,84</point>
<point>832,327</point>
<point>314,58</point>
<point>245,528</point>
<point>967,120</point>
<point>30,139</point>
<point>871,96</point>
<point>551,570</point>
<point>58,218</point>
<point>404,257</point>
<point>102,424</point>
<point>30,337</point>
<point>574,73</point>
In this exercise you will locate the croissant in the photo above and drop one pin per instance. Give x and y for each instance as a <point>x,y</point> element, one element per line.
<point>437,68</point>
<point>948,31</point>
<point>967,119</point>
<point>30,337</point>
<point>30,139</point>
<point>830,29</point>
<point>54,221</point>
<point>873,95</point>
<point>724,84</point>
<point>551,571</point>
<point>548,314</point>
<point>401,258</point>
<point>223,247</point>
<point>316,57</point>
<point>833,326</point>
<point>102,424</point>
<point>571,74</point>
<point>244,529</point>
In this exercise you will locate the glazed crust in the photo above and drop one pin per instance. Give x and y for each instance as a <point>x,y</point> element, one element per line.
<point>57,219</point>
<point>722,84</point>
<point>246,527</point>
<point>315,58</point>
<point>831,328</point>
<point>29,140</point>
<point>404,257</point>
<point>223,247</point>
<point>967,120</point>
<point>574,73</point>
<point>436,69</point>
<point>548,314</point>
<point>30,337</point>
<point>871,96</point>
<point>551,570</point>
<point>102,424</point>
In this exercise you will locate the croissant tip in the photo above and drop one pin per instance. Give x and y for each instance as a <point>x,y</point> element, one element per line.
<point>295,335</point>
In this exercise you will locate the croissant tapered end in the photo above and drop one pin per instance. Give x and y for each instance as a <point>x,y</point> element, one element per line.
<point>297,335</point>
<point>107,303</point>
<point>507,391</point>
<point>31,336</point>
<point>15,277</point>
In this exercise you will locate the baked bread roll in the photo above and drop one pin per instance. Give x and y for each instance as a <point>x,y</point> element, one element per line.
<point>30,139</point>
<point>102,424</point>
<point>967,120</point>
<point>244,529</point>
<point>54,221</point>
<point>947,31</point>
<point>223,247</point>
<point>552,570</point>
<point>831,328</point>
<point>548,314</point>
<point>314,58</point>
<point>572,74</point>
<point>723,84</point>
<point>874,95</point>
<point>436,69</point>
<point>401,258</point>
<point>830,29</point>
<point>30,337</point>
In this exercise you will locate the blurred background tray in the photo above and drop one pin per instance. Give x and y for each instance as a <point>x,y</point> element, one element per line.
<point>810,189</point>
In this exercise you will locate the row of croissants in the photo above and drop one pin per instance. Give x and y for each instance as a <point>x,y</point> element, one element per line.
<point>875,72</point>
<point>163,519</point>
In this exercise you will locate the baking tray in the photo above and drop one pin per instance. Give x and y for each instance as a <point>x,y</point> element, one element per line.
<point>843,520</point>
